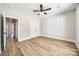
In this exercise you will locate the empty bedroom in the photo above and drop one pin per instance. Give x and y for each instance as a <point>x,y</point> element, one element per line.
<point>39,29</point>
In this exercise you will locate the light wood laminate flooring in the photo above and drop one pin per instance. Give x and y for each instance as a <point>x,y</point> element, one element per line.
<point>41,46</point>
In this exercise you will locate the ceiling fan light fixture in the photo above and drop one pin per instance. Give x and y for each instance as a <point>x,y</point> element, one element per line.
<point>42,10</point>
<point>38,14</point>
<point>45,13</point>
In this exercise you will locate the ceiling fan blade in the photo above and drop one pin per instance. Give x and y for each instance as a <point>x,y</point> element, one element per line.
<point>41,6</point>
<point>36,11</point>
<point>45,13</point>
<point>47,9</point>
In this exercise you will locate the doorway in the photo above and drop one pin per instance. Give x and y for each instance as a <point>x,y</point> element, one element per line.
<point>8,32</point>
<point>11,29</point>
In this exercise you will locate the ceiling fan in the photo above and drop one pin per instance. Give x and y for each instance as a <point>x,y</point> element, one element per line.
<point>42,10</point>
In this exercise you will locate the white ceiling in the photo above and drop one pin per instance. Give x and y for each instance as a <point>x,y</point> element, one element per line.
<point>29,7</point>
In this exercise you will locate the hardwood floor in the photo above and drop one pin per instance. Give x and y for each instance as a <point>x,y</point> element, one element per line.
<point>41,46</point>
<point>12,49</point>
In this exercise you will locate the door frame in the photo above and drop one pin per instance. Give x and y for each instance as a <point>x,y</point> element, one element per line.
<point>3,31</point>
<point>16,28</point>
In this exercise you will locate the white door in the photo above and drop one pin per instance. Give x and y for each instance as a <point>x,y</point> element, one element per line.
<point>5,32</point>
<point>2,32</point>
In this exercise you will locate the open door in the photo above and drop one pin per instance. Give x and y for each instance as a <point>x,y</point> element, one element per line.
<point>4,28</point>
<point>2,33</point>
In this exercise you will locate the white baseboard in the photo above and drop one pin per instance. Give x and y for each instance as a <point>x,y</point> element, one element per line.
<point>58,38</point>
<point>35,36</point>
<point>27,38</point>
<point>24,39</point>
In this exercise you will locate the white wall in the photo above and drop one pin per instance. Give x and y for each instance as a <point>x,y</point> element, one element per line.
<point>1,7</point>
<point>77,25</point>
<point>23,23</point>
<point>60,26</point>
<point>28,25</point>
